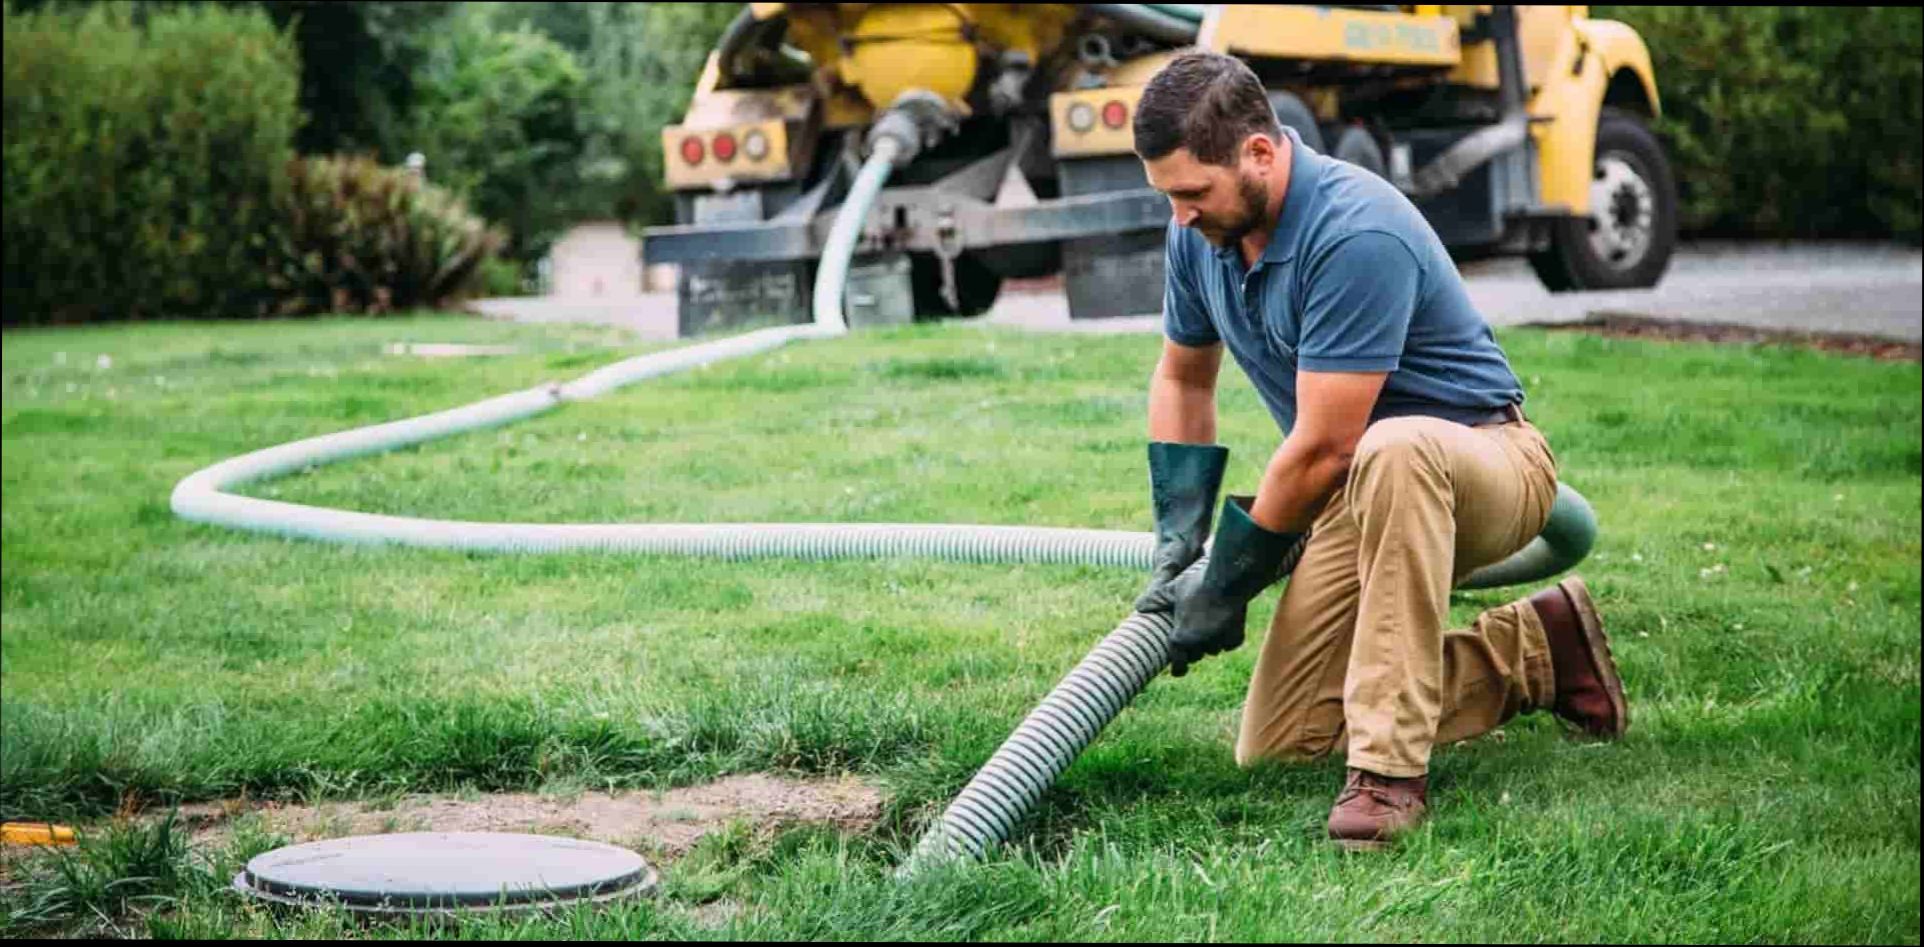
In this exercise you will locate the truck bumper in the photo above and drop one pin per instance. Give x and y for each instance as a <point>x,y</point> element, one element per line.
<point>916,219</point>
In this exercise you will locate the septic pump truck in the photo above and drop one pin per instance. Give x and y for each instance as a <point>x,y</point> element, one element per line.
<point>1517,130</point>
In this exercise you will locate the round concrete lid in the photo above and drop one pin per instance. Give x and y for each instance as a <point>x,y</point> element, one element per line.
<point>439,870</point>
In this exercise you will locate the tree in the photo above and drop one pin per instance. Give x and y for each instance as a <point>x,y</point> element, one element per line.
<point>643,61</point>
<point>359,59</point>
<point>498,116</point>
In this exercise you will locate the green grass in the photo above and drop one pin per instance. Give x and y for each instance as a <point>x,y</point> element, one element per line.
<point>1758,570</point>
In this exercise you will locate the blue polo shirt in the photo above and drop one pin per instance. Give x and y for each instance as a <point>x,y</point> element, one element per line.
<point>1353,280</point>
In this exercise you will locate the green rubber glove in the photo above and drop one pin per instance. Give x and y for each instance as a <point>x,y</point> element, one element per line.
<point>1212,604</point>
<point>1183,483</point>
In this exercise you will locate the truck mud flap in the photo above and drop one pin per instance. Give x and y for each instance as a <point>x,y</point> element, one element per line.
<point>1108,277</point>
<point>715,295</point>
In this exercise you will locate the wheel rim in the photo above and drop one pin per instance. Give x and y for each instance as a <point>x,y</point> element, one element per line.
<point>1623,212</point>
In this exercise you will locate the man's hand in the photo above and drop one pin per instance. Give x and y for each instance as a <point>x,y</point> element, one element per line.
<point>1207,622</point>
<point>1213,603</point>
<point>1183,482</point>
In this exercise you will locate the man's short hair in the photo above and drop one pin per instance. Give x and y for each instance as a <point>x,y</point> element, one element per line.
<point>1205,102</point>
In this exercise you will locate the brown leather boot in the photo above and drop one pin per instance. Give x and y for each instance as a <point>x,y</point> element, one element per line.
<point>1373,810</point>
<point>1589,692</point>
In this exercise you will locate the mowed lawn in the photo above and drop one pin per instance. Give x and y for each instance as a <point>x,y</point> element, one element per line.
<point>1758,570</point>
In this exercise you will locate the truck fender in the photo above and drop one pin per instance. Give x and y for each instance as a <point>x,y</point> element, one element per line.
<point>1571,98</point>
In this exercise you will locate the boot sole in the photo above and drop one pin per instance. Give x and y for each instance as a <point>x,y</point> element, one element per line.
<point>1599,646</point>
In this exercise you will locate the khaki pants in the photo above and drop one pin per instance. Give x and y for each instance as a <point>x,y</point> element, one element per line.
<point>1357,655</point>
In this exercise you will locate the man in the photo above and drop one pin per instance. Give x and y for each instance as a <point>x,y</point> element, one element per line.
<point>1406,464</point>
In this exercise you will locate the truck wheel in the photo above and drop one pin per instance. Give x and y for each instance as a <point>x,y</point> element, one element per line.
<point>1291,111</point>
<point>1357,146</point>
<point>976,286</point>
<point>1627,240</point>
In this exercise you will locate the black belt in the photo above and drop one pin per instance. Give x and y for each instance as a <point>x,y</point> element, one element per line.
<point>1469,417</point>
<point>1508,414</point>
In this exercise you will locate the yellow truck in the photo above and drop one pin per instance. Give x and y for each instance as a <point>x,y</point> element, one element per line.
<point>1515,129</point>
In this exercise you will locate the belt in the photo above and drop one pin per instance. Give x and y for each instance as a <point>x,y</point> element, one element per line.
<point>1508,414</point>
<point>1468,417</point>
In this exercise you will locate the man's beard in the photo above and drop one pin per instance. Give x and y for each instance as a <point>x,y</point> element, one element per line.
<point>1254,195</point>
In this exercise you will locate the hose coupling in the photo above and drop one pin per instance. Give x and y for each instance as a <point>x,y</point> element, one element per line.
<point>917,119</point>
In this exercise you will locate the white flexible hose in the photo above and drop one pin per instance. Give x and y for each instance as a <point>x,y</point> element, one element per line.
<point>840,248</point>
<point>202,497</point>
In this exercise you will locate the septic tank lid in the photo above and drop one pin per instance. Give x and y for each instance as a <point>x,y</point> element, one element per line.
<point>436,871</point>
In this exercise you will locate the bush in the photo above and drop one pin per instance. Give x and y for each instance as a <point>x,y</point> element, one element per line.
<point>142,161</point>
<point>1790,121</point>
<point>496,114</point>
<point>357,237</point>
<point>501,277</point>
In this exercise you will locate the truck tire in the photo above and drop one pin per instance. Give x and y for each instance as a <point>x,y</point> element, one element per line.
<point>1291,111</point>
<point>1357,146</point>
<point>1627,241</point>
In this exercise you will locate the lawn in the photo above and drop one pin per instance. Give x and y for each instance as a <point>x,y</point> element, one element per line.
<point>1758,570</point>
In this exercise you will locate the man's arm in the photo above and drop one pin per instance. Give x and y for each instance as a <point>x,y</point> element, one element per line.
<point>1182,394</point>
<point>1332,411</point>
<point>1355,322</point>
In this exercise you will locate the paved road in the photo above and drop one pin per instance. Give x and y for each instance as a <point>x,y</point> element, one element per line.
<point>1870,289</point>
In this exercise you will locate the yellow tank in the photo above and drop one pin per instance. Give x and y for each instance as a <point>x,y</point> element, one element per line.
<point>872,52</point>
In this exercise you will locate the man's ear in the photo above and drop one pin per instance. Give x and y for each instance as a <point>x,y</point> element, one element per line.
<point>1261,151</point>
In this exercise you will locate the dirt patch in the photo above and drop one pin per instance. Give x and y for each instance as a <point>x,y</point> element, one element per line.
<point>1625,326</point>
<point>665,824</point>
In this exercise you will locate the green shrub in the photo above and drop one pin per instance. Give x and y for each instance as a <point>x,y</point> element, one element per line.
<point>501,277</point>
<point>358,237</point>
<point>1790,121</point>
<point>142,161</point>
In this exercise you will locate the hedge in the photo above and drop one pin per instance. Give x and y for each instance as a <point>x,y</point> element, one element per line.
<point>1790,121</point>
<point>143,161</point>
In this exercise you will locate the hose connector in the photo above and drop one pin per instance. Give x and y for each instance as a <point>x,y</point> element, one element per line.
<point>917,119</point>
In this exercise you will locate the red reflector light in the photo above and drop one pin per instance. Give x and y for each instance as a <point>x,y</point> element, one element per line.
<point>691,150</point>
<point>1114,114</point>
<point>724,147</point>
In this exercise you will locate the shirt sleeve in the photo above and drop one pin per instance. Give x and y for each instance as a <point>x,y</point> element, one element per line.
<point>1359,296</point>
<point>1185,320</point>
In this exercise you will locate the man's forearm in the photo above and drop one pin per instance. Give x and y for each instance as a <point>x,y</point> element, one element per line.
<point>1181,413</point>
<point>1298,483</point>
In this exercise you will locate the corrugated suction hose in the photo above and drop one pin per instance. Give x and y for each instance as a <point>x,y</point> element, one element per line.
<point>1047,741</point>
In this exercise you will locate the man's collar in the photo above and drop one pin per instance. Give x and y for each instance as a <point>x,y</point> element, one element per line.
<point>1305,170</point>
